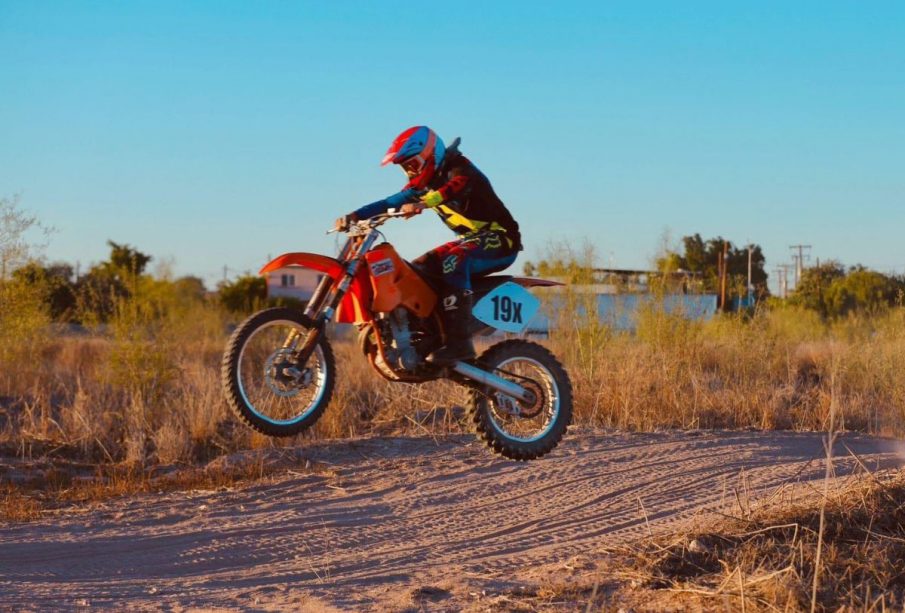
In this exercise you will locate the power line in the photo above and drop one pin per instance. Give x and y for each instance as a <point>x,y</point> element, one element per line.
<point>799,260</point>
<point>782,275</point>
<point>778,273</point>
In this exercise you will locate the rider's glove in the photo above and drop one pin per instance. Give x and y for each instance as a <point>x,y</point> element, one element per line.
<point>432,198</point>
<point>412,208</point>
<point>342,224</point>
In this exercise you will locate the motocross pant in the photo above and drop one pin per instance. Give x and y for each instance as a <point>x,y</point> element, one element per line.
<point>477,254</point>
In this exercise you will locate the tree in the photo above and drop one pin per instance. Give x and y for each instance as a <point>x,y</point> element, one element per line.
<point>190,288</point>
<point>54,283</point>
<point>111,280</point>
<point>834,292</point>
<point>15,223</point>
<point>244,294</point>
<point>861,290</point>
<point>814,284</point>
<point>696,257</point>
<point>23,314</point>
<point>703,257</point>
<point>125,261</point>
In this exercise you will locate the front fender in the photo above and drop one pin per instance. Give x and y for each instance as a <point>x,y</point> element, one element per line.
<point>356,304</point>
<point>314,261</point>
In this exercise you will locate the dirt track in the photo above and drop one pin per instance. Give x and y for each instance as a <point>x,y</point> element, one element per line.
<point>400,521</point>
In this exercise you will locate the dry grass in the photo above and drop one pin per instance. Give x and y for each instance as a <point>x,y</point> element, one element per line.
<point>769,371</point>
<point>768,561</point>
<point>765,560</point>
<point>33,489</point>
<point>146,391</point>
<point>74,402</point>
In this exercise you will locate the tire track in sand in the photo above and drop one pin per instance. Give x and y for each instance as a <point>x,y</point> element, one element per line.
<point>405,512</point>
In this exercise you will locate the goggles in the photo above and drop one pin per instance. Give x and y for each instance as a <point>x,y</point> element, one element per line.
<point>413,166</point>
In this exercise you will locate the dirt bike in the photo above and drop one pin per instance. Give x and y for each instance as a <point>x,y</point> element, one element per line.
<point>278,370</point>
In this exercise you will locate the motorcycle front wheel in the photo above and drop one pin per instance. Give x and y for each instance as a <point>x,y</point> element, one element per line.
<point>265,385</point>
<point>515,429</point>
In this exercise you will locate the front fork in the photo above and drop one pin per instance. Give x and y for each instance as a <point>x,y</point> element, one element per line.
<point>328,296</point>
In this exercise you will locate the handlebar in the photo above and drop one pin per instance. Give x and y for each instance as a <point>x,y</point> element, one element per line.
<point>371,222</point>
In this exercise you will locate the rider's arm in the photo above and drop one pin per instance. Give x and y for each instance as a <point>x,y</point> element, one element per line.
<point>454,187</point>
<point>391,202</point>
<point>447,193</point>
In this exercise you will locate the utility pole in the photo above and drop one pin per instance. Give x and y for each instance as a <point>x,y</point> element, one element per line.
<point>800,260</point>
<point>719,281</point>
<point>778,273</point>
<point>785,279</point>
<point>782,276</point>
<point>750,286</point>
<point>796,266</point>
<point>723,267</point>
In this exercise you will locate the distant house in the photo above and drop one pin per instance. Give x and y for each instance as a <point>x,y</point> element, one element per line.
<point>292,282</point>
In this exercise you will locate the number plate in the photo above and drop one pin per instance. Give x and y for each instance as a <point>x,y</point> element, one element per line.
<point>382,267</point>
<point>509,307</point>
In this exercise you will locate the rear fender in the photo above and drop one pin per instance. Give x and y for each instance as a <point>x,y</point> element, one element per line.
<point>532,282</point>
<point>356,304</point>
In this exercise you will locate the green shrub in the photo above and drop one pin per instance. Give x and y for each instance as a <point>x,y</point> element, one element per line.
<point>243,295</point>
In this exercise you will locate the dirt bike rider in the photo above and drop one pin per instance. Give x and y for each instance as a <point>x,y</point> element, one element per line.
<point>444,180</point>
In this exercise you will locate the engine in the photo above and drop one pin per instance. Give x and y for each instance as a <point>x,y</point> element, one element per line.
<point>399,340</point>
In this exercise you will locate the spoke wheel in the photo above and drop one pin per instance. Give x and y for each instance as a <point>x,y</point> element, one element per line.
<point>265,384</point>
<point>520,430</point>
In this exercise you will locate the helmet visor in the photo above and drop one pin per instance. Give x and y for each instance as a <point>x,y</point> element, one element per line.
<point>413,166</point>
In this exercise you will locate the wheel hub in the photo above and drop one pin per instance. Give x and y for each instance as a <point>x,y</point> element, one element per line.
<point>283,376</point>
<point>526,410</point>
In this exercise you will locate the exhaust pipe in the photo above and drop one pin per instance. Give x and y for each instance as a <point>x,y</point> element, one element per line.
<point>491,380</point>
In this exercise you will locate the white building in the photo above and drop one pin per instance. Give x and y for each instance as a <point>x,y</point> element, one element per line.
<point>293,282</point>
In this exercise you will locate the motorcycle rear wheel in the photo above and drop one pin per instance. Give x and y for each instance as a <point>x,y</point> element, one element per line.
<point>509,427</point>
<point>264,386</point>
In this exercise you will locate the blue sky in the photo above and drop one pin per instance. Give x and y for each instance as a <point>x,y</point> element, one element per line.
<point>216,133</point>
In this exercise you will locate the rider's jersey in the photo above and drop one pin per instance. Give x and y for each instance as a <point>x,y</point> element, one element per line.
<point>469,203</point>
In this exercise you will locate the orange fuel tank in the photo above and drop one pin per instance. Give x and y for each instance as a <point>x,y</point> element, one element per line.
<point>395,283</point>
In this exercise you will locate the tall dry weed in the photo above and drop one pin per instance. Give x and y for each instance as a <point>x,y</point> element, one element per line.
<point>24,321</point>
<point>144,387</point>
<point>766,370</point>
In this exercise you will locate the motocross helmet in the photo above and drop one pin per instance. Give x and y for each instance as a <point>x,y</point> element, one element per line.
<point>420,152</point>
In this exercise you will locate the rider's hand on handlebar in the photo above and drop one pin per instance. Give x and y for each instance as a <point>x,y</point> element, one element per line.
<point>412,209</point>
<point>342,224</point>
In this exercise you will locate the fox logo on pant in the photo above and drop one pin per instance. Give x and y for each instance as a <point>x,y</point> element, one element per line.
<point>450,263</point>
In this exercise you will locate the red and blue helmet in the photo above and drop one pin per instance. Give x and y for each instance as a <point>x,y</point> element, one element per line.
<point>420,152</point>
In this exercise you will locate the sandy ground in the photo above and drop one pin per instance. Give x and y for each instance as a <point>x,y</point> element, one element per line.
<point>402,523</point>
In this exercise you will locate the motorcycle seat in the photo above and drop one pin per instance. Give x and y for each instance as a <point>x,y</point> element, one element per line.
<point>482,285</point>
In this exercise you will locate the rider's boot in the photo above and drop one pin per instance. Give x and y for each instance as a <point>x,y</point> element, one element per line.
<point>455,311</point>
